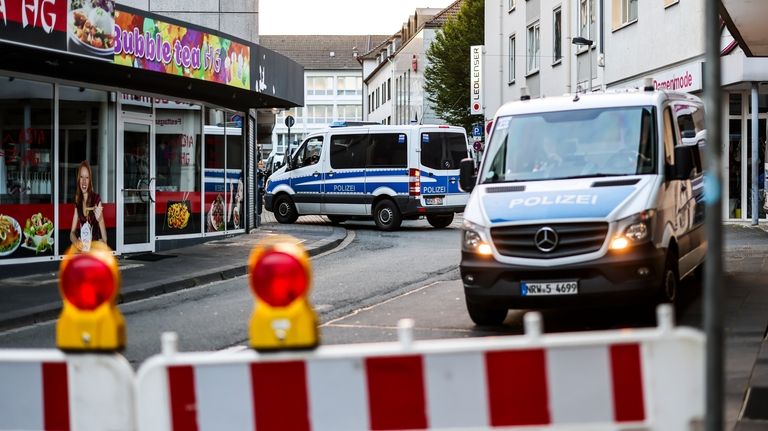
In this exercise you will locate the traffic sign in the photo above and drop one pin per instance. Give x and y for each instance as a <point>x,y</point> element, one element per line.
<point>477,130</point>
<point>289,121</point>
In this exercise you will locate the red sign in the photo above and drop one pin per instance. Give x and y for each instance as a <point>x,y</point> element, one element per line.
<point>34,22</point>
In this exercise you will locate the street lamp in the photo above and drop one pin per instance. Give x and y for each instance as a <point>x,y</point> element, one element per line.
<point>582,41</point>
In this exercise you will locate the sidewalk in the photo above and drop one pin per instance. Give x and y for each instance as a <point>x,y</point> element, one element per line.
<point>34,296</point>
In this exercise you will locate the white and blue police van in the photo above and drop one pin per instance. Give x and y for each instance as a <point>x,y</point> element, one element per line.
<point>385,172</point>
<point>585,200</point>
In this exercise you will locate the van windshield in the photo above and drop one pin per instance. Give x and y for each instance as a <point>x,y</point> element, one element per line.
<point>572,144</point>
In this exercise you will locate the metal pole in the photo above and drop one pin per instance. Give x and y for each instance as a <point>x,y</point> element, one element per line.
<point>589,53</point>
<point>713,313</point>
<point>755,155</point>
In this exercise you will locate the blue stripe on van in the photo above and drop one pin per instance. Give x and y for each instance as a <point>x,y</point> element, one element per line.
<point>587,203</point>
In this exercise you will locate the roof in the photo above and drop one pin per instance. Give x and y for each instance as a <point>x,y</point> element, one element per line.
<point>449,12</point>
<point>322,52</point>
<point>620,98</point>
<point>435,21</point>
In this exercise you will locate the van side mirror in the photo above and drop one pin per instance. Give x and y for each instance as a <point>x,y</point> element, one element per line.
<point>684,162</point>
<point>467,176</point>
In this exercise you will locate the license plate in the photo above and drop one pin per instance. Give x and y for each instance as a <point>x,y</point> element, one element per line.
<point>549,288</point>
<point>437,200</point>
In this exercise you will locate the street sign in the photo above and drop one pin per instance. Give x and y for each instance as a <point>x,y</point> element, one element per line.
<point>289,121</point>
<point>477,130</point>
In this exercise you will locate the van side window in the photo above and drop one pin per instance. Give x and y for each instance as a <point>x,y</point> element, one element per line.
<point>348,151</point>
<point>670,140</point>
<point>309,153</point>
<point>441,150</point>
<point>388,150</point>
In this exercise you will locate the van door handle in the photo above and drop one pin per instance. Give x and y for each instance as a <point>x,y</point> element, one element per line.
<point>330,173</point>
<point>315,174</point>
<point>453,180</point>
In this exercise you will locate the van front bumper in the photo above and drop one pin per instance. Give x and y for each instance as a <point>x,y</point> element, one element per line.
<point>625,278</point>
<point>268,200</point>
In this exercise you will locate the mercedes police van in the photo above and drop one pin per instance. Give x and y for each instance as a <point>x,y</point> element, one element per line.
<point>385,172</point>
<point>587,199</point>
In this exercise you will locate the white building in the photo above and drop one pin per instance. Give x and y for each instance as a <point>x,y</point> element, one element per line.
<point>333,83</point>
<point>393,72</point>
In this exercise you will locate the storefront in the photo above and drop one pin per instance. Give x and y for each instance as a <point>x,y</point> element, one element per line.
<point>162,112</point>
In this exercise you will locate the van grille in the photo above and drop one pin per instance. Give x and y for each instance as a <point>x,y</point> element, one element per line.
<point>573,239</point>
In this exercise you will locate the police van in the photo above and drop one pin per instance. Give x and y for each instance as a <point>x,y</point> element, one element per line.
<point>588,199</point>
<point>385,172</point>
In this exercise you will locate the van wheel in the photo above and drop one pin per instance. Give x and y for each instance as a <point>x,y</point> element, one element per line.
<point>336,219</point>
<point>285,210</point>
<point>387,216</point>
<point>670,281</point>
<point>440,220</point>
<point>486,316</point>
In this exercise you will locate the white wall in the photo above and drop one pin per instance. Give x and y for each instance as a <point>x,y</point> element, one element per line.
<point>500,24</point>
<point>660,38</point>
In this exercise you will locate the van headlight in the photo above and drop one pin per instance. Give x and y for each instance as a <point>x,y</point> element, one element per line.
<point>473,240</point>
<point>633,230</point>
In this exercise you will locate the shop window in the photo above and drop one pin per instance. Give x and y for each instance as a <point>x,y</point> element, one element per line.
<point>760,168</point>
<point>178,152</point>
<point>87,122</point>
<point>224,180</point>
<point>734,104</point>
<point>734,168</point>
<point>26,175</point>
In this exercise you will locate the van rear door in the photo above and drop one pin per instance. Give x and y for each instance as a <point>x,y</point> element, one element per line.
<point>441,151</point>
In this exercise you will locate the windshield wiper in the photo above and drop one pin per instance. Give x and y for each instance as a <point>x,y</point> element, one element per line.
<point>595,175</point>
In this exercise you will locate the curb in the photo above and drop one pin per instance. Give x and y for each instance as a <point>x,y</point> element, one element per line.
<point>50,311</point>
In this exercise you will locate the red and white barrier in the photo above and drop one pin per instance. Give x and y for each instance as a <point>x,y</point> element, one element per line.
<point>50,390</point>
<point>649,379</point>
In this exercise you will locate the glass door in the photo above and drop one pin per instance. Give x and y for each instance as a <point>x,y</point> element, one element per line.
<point>138,188</point>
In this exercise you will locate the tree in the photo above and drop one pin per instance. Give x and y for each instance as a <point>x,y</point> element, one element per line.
<point>447,77</point>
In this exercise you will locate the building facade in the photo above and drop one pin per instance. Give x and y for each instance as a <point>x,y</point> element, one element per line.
<point>160,111</point>
<point>333,83</point>
<point>393,72</point>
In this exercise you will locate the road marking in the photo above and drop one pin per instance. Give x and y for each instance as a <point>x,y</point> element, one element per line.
<point>343,325</point>
<point>371,307</point>
<point>348,240</point>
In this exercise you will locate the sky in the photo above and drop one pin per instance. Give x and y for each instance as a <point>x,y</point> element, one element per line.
<point>324,17</point>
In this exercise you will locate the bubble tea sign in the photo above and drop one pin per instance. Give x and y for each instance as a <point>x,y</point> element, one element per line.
<point>151,44</point>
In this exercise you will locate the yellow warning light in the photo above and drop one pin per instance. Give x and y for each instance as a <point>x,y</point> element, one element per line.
<point>89,283</point>
<point>279,275</point>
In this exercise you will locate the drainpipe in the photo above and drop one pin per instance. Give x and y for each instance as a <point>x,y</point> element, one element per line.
<point>755,155</point>
<point>501,62</point>
<point>568,57</point>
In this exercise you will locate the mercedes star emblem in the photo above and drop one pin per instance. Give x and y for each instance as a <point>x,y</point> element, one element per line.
<point>546,239</point>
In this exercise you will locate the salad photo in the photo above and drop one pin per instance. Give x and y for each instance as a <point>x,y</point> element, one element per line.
<point>10,235</point>
<point>38,231</point>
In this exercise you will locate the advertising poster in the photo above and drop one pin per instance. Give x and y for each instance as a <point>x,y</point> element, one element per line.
<point>26,231</point>
<point>82,27</point>
<point>151,44</point>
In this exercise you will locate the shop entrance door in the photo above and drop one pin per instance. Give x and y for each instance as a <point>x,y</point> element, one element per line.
<point>138,185</point>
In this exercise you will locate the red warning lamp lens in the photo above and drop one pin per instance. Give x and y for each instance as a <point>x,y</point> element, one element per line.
<point>279,278</point>
<point>87,282</point>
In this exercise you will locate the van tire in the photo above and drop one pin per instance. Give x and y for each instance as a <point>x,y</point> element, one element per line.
<point>440,221</point>
<point>285,210</point>
<point>336,219</point>
<point>387,216</point>
<point>486,316</point>
<point>670,280</point>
